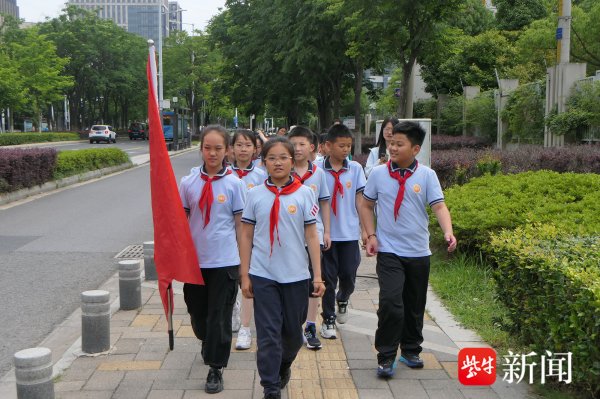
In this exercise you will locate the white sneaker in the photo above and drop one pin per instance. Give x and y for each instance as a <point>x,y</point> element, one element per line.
<point>235,317</point>
<point>328,329</point>
<point>244,338</point>
<point>342,314</point>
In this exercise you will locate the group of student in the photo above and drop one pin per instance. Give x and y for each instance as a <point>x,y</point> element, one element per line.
<point>283,218</point>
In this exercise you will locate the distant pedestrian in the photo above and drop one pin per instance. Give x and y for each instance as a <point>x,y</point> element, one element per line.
<point>379,154</point>
<point>213,199</point>
<point>278,219</point>
<point>401,189</point>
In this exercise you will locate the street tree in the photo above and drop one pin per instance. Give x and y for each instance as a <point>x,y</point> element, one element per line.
<point>516,14</point>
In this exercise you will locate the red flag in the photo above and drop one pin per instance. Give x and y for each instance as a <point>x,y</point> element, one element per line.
<point>174,252</point>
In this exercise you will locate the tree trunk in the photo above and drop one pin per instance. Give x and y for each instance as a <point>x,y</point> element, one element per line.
<point>405,103</point>
<point>358,81</point>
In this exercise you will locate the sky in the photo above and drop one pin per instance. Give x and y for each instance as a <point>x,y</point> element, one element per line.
<point>198,12</point>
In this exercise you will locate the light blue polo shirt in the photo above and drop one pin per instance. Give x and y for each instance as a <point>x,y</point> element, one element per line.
<point>408,235</point>
<point>317,182</point>
<point>373,160</point>
<point>289,261</point>
<point>255,177</point>
<point>345,224</point>
<point>216,244</point>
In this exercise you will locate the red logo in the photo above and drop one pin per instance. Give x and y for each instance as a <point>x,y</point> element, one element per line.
<point>477,366</point>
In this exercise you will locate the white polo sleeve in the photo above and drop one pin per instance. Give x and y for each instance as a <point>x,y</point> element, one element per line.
<point>434,189</point>
<point>238,196</point>
<point>323,194</point>
<point>371,161</point>
<point>310,208</point>
<point>182,193</point>
<point>249,213</point>
<point>370,191</point>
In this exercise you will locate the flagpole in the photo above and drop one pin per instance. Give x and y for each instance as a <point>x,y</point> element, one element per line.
<point>152,59</point>
<point>170,316</point>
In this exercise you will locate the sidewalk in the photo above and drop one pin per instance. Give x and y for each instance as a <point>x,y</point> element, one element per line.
<point>139,364</point>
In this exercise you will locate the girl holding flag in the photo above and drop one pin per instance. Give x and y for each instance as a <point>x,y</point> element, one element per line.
<point>276,274</point>
<point>213,198</point>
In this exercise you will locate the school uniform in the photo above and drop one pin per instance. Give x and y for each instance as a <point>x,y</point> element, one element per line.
<point>211,204</point>
<point>373,159</point>
<point>252,176</point>
<point>403,256</point>
<point>341,261</point>
<point>279,274</point>
<point>315,179</point>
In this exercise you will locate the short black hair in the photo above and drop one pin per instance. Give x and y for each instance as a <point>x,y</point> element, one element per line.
<point>338,131</point>
<point>412,130</point>
<point>301,131</point>
<point>249,134</point>
<point>323,137</point>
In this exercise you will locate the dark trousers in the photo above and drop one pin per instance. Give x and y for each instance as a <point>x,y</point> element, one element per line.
<point>340,262</point>
<point>210,307</point>
<point>402,298</point>
<point>279,312</point>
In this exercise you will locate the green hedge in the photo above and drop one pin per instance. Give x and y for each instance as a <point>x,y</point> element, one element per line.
<point>79,161</point>
<point>29,138</point>
<point>550,282</point>
<point>490,203</point>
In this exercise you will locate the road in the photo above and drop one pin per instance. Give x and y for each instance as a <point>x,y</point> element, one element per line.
<point>58,245</point>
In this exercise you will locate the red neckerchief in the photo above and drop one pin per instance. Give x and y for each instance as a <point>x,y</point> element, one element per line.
<point>242,172</point>
<point>274,218</point>
<point>206,198</point>
<point>395,174</point>
<point>338,187</point>
<point>309,172</point>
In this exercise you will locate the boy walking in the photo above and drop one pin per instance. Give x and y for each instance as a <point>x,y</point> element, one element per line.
<point>346,181</point>
<point>402,189</point>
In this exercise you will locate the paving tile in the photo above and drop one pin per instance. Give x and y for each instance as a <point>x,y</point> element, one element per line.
<point>403,372</point>
<point>157,356</point>
<point>185,331</point>
<point>178,383</point>
<point>305,393</point>
<point>166,394</point>
<point>451,368</point>
<point>340,394</point>
<point>364,379</point>
<point>85,395</point>
<point>178,360</point>
<point>145,320</point>
<point>362,364</point>
<point>239,379</point>
<point>65,386</point>
<point>479,394</point>
<point>338,383</point>
<point>448,393</point>
<point>104,380</point>
<point>407,389</point>
<point>430,362</point>
<point>138,392</point>
<point>375,394</point>
<point>129,365</point>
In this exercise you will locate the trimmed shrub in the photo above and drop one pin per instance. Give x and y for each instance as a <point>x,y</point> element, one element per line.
<point>28,138</point>
<point>80,161</point>
<point>444,142</point>
<point>489,204</point>
<point>550,282</point>
<point>25,167</point>
<point>459,166</point>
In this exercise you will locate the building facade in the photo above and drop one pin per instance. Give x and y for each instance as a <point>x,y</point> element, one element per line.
<point>175,22</point>
<point>135,16</point>
<point>9,7</point>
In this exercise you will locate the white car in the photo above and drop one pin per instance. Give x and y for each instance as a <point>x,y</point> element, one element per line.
<point>100,133</point>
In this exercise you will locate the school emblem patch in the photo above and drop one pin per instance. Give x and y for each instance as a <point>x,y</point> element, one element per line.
<point>221,198</point>
<point>348,184</point>
<point>417,188</point>
<point>292,209</point>
<point>250,185</point>
<point>314,187</point>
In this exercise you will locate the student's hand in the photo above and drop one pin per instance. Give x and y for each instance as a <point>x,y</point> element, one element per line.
<point>326,241</point>
<point>364,238</point>
<point>319,289</point>
<point>372,246</point>
<point>451,240</point>
<point>382,160</point>
<point>247,287</point>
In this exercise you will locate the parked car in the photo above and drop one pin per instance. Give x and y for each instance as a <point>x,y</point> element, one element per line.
<point>138,130</point>
<point>100,133</point>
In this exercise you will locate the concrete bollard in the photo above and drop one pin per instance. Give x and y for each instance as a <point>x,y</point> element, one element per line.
<point>130,284</point>
<point>149,266</point>
<point>33,372</point>
<point>95,321</point>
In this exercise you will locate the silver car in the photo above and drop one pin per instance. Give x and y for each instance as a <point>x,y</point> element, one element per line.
<point>100,133</point>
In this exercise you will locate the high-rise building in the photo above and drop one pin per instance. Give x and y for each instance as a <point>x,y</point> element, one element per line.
<point>135,16</point>
<point>175,22</point>
<point>9,7</point>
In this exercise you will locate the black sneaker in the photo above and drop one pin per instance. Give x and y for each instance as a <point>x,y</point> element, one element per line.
<point>386,368</point>
<point>214,381</point>
<point>310,337</point>
<point>272,396</point>
<point>284,377</point>
<point>412,361</point>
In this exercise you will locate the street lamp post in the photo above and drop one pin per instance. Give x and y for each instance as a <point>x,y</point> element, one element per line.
<point>161,6</point>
